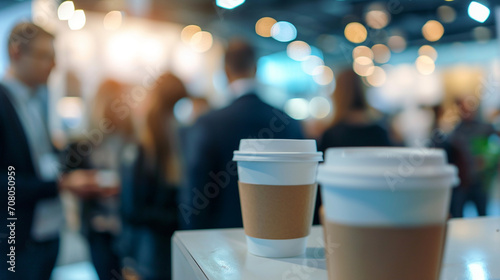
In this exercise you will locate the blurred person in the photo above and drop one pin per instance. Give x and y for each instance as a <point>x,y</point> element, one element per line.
<point>198,107</point>
<point>100,221</point>
<point>210,197</point>
<point>474,148</point>
<point>354,125</point>
<point>150,176</point>
<point>27,151</point>
<point>495,119</point>
<point>442,124</point>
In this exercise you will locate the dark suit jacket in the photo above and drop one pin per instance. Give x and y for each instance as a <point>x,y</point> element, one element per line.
<point>210,198</point>
<point>351,135</point>
<point>14,151</point>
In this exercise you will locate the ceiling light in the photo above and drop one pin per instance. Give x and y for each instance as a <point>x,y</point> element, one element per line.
<point>428,51</point>
<point>201,41</point>
<point>377,19</point>
<point>323,75</point>
<point>425,65</point>
<point>478,11</point>
<point>355,32</point>
<point>447,14</point>
<point>263,26</point>
<point>298,50</point>
<point>66,10</point>
<point>363,66</point>
<point>284,31</point>
<point>188,32</point>
<point>112,20</point>
<point>310,63</point>
<point>397,43</point>
<point>77,21</point>
<point>229,4</point>
<point>319,107</point>
<point>362,51</point>
<point>381,53</point>
<point>432,30</point>
<point>297,108</point>
<point>377,78</point>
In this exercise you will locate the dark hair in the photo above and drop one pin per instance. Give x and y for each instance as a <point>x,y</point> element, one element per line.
<point>240,57</point>
<point>25,33</point>
<point>349,95</point>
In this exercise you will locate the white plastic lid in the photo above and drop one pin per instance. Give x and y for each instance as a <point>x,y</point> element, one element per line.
<point>382,166</point>
<point>277,150</point>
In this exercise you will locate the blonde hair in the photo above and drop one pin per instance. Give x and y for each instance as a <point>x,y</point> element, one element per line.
<point>159,135</point>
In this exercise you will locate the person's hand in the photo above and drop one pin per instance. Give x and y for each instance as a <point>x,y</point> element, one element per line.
<point>82,183</point>
<point>110,191</point>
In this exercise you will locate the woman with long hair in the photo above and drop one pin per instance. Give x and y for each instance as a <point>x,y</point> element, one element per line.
<point>354,123</point>
<point>150,178</point>
<point>100,215</point>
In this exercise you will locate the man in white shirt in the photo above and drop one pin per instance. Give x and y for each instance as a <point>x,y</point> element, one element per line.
<point>28,159</point>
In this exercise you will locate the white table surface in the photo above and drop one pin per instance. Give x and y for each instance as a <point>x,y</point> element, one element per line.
<point>472,252</point>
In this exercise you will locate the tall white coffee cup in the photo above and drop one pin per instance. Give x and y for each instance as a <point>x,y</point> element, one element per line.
<point>385,191</point>
<point>274,175</point>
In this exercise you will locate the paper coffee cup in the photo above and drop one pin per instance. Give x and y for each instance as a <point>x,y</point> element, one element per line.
<point>277,184</point>
<point>386,208</point>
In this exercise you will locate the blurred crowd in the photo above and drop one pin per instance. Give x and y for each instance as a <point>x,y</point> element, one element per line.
<point>140,177</point>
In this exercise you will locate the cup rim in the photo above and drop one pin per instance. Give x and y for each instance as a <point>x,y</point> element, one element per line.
<point>278,156</point>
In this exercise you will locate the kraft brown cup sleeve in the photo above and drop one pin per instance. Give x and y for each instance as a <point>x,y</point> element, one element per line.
<point>277,212</point>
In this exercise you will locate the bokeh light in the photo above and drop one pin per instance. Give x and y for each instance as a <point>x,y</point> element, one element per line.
<point>377,78</point>
<point>310,63</point>
<point>381,53</point>
<point>482,34</point>
<point>283,31</point>
<point>66,10</point>
<point>264,25</point>
<point>183,110</point>
<point>362,51</point>
<point>229,4</point>
<point>377,19</point>
<point>432,30</point>
<point>323,75</point>
<point>428,51</point>
<point>478,11</point>
<point>425,65</point>
<point>297,108</point>
<point>77,21</point>
<point>319,107</point>
<point>363,66</point>
<point>397,43</point>
<point>188,32</point>
<point>298,50</point>
<point>112,20</point>
<point>70,107</point>
<point>355,32</point>
<point>151,50</point>
<point>201,41</point>
<point>447,14</point>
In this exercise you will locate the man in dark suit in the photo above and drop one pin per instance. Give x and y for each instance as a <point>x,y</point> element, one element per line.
<point>29,167</point>
<point>210,198</point>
